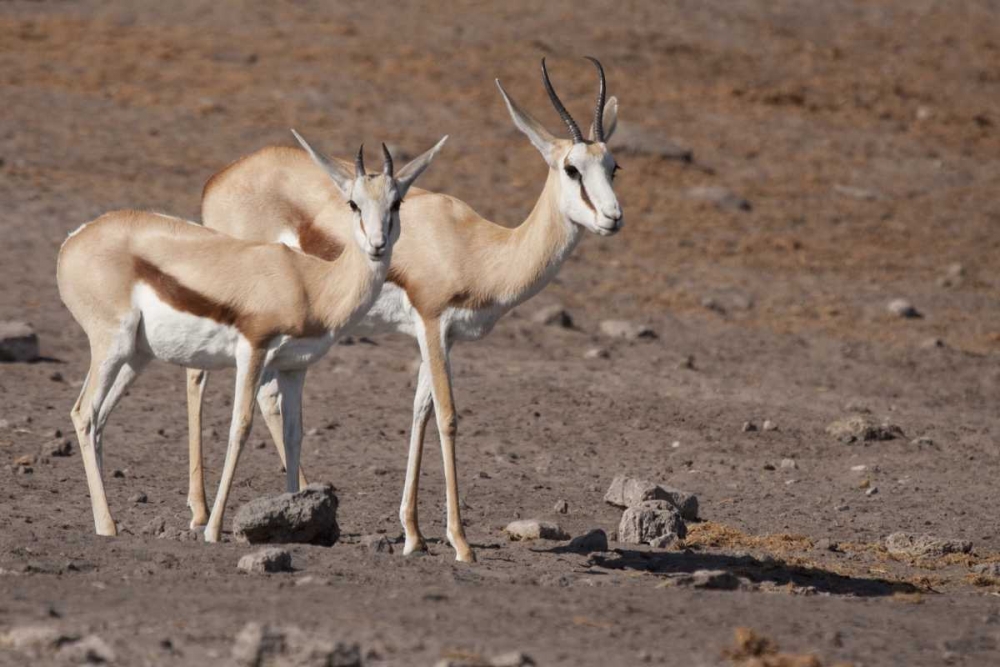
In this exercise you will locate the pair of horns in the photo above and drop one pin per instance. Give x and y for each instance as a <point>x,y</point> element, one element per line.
<point>574,129</point>
<point>359,162</point>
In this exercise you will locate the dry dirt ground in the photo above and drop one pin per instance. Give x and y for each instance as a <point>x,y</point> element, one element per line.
<point>865,136</point>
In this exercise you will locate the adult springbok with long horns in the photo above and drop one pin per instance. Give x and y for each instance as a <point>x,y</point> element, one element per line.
<point>453,273</point>
<point>147,286</point>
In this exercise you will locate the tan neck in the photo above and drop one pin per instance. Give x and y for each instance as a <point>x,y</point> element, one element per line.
<point>534,251</point>
<point>342,291</point>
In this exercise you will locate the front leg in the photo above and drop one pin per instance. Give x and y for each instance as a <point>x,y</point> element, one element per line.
<point>249,364</point>
<point>421,415</point>
<point>196,381</point>
<point>434,348</point>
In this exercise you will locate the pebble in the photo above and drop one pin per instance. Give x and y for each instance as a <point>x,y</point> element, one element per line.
<point>89,650</point>
<point>377,544</point>
<point>553,316</point>
<point>903,308</point>
<point>789,464</point>
<point>769,425</point>
<point>561,506</point>
<point>597,353</point>
<point>859,468</point>
<point>532,529</point>
<point>932,343</point>
<point>271,559</point>
<point>749,427</point>
<point>862,427</point>
<point>626,330</point>
<point>139,497</point>
<point>921,546</point>
<point>57,448</point>
<point>871,491</point>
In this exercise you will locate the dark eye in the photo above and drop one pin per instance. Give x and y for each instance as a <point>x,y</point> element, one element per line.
<point>572,172</point>
<point>397,204</point>
<point>354,207</point>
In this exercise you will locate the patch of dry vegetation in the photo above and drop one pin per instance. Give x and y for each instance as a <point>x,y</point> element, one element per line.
<point>753,650</point>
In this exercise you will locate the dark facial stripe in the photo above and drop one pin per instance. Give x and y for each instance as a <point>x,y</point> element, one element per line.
<point>585,197</point>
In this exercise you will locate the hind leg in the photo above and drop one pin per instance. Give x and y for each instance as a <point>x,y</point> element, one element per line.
<point>83,423</point>
<point>196,381</point>
<point>270,401</point>
<point>129,371</point>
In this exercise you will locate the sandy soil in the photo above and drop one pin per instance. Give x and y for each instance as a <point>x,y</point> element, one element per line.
<point>866,137</point>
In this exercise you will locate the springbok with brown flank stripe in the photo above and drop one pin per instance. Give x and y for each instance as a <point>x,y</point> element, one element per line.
<point>453,273</point>
<point>147,286</point>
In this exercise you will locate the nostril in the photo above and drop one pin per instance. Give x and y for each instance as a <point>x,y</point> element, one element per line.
<point>378,245</point>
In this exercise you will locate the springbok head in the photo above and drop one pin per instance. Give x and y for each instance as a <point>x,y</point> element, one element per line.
<point>374,199</point>
<point>585,167</point>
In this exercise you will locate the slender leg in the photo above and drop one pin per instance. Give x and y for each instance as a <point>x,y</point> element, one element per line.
<point>434,348</point>
<point>130,370</point>
<point>196,382</point>
<point>290,384</point>
<point>249,364</point>
<point>408,508</point>
<point>269,401</point>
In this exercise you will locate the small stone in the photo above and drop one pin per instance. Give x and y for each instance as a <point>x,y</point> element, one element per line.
<point>987,569</point>
<point>532,529</point>
<point>923,546</point>
<point>18,342</point>
<point>686,363</point>
<point>789,464</point>
<point>25,461</point>
<point>155,527</point>
<point>597,353</point>
<point>56,377</point>
<point>862,427</point>
<point>649,521</point>
<point>769,425</point>
<point>553,316</point>
<point>593,540</point>
<point>512,659</point>
<point>138,498</point>
<point>932,343</point>
<point>626,330</point>
<point>722,198</point>
<point>561,507</point>
<point>312,432</point>
<point>34,638</point>
<point>859,468</point>
<point>769,466</point>
<point>871,491</point>
<point>826,544</point>
<point>720,580</point>
<point>309,516</point>
<point>271,559</point>
<point>57,448</point>
<point>923,441</point>
<point>903,308</point>
<point>749,427</point>
<point>377,544</point>
<point>118,474</point>
<point>89,650</point>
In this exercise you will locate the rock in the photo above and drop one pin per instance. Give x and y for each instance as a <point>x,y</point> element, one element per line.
<point>271,559</point>
<point>987,569</point>
<point>261,645</point>
<point>932,343</point>
<point>57,448</point>
<point>629,492</point>
<point>861,194</point>
<point>155,527</point>
<point>309,516</point>
<point>635,139</point>
<point>512,659</point>
<point>749,427</point>
<point>139,497</point>
<point>769,425</point>
<point>923,441</point>
<point>532,529</point>
<point>25,461</point>
<point>33,638</point>
<point>553,316</point>
<point>668,541</point>
<point>720,580</point>
<point>596,353</point>
<point>377,544</point>
<point>862,427</point>
<point>789,464</point>
<point>871,491</point>
<point>18,341</point>
<point>924,546</point>
<point>903,308</point>
<point>626,330</point>
<point>649,521</point>
<point>89,650</point>
<point>722,198</point>
<point>594,540</point>
<point>118,474</point>
<point>561,507</point>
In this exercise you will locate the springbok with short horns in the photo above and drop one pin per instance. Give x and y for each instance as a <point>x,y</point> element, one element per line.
<point>147,286</point>
<point>453,273</point>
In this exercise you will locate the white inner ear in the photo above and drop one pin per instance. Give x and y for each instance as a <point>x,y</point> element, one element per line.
<point>609,119</point>
<point>540,138</point>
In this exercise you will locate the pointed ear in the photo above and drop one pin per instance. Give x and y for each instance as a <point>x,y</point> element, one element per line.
<point>539,136</point>
<point>342,177</point>
<point>610,121</point>
<point>408,174</point>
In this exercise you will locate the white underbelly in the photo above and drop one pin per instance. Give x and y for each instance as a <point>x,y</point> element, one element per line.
<point>182,338</point>
<point>392,312</point>
<point>287,353</point>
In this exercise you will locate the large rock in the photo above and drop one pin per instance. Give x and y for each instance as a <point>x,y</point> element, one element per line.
<point>18,342</point>
<point>652,521</point>
<point>266,561</point>
<point>262,645</point>
<point>309,516</point>
<point>924,546</point>
<point>628,492</point>
<point>864,428</point>
<point>532,529</point>
<point>594,540</point>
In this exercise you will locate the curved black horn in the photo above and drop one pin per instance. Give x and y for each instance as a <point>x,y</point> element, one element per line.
<point>574,129</point>
<point>386,161</point>
<point>359,162</point>
<point>599,112</point>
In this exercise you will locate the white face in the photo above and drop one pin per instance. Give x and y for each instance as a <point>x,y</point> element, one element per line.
<point>587,196</point>
<point>374,200</point>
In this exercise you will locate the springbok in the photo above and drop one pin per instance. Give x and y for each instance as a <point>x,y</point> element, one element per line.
<point>453,273</point>
<point>148,286</point>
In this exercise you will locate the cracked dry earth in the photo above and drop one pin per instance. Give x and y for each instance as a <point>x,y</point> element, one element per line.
<point>865,138</point>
